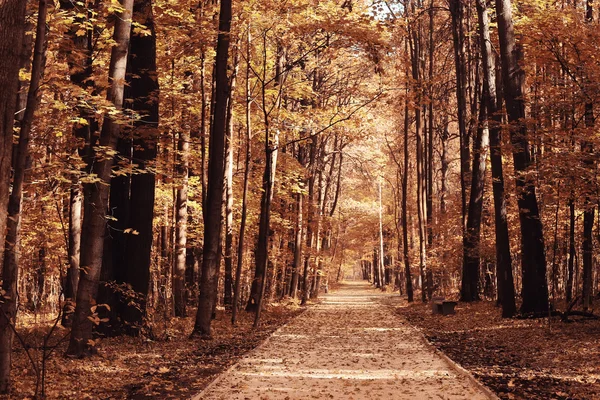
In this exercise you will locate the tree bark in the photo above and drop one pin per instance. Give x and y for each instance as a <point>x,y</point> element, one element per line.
<point>407,272</point>
<point>11,34</point>
<point>181,216</point>
<point>94,224</point>
<point>535,287</point>
<point>572,251</point>
<point>297,247</point>
<point>75,208</point>
<point>228,284</point>
<point>457,13</point>
<point>506,290</point>
<point>212,224</point>
<point>247,167</point>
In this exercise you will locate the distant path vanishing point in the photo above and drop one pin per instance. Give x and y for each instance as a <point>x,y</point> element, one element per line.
<point>350,346</point>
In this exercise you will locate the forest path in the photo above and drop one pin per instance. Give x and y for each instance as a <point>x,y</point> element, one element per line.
<point>349,346</point>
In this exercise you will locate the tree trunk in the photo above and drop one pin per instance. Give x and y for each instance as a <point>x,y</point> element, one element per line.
<point>381,253</point>
<point>457,13</point>
<point>143,87</point>
<point>181,216</point>
<point>212,225</point>
<point>571,264</point>
<point>506,290</point>
<point>472,236</point>
<point>75,205</point>
<point>247,166</point>
<point>261,252</point>
<point>587,149</point>
<point>127,248</point>
<point>297,247</point>
<point>79,58</point>
<point>535,287</point>
<point>94,223</point>
<point>228,284</point>
<point>11,36</point>
<point>421,192</point>
<point>405,255</point>
<point>589,211</point>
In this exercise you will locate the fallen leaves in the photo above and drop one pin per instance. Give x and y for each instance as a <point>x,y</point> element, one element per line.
<point>138,368</point>
<point>518,359</point>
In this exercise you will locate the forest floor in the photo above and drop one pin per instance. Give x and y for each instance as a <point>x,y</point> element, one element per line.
<point>349,346</point>
<point>516,358</point>
<point>174,367</point>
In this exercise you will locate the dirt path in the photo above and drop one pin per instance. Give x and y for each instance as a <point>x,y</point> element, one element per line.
<point>348,347</point>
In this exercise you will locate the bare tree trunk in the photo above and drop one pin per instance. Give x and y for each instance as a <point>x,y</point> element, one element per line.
<point>535,287</point>
<point>247,166</point>
<point>181,216</point>
<point>297,247</point>
<point>421,201</point>
<point>144,91</point>
<point>212,224</point>
<point>381,254</point>
<point>75,205</point>
<point>12,14</point>
<point>457,13</point>
<point>228,284</point>
<point>587,149</point>
<point>506,290</point>
<point>79,58</point>
<point>407,272</point>
<point>572,251</point>
<point>127,249</point>
<point>94,223</point>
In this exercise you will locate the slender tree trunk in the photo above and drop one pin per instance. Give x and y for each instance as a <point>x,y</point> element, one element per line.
<point>587,149</point>
<point>94,223</point>
<point>381,254</point>
<point>79,58</point>
<point>212,224</point>
<point>228,284</point>
<point>314,293</point>
<point>572,251</point>
<point>506,290</point>
<point>11,15</point>
<point>181,216</point>
<point>297,247</point>
<point>75,206</point>
<point>421,201</point>
<point>407,272</point>
<point>535,287</point>
<point>247,166</point>
<point>472,237</point>
<point>429,141</point>
<point>261,253</point>
<point>457,13</point>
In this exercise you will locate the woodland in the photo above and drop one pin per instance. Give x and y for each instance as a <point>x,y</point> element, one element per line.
<point>178,178</point>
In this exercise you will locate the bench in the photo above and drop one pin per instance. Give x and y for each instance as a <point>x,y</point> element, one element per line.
<point>439,305</point>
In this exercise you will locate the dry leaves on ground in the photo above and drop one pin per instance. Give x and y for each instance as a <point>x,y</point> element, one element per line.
<point>518,359</point>
<point>138,368</point>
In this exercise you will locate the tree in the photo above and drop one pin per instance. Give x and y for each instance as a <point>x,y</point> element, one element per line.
<point>94,225</point>
<point>12,22</point>
<point>533,254</point>
<point>506,290</point>
<point>216,169</point>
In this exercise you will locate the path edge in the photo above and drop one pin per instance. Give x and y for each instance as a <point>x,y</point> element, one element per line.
<point>222,374</point>
<point>453,364</point>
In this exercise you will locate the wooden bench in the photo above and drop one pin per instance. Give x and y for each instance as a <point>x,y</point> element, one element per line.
<point>439,305</point>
